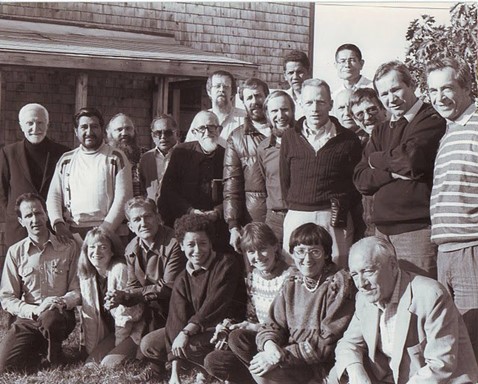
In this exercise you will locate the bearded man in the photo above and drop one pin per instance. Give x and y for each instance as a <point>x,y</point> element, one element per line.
<point>121,134</point>
<point>193,180</point>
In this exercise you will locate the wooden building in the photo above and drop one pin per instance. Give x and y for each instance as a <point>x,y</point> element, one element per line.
<point>139,58</point>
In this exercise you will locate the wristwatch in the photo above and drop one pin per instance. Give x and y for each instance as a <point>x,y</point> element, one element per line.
<point>186,332</point>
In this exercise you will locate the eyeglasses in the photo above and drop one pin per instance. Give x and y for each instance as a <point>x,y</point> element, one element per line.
<point>352,60</point>
<point>370,111</point>
<point>209,128</point>
<point>164,132</point>
<point>315,253</point>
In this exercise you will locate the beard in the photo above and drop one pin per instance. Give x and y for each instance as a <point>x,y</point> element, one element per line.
<point>221,101</point>
<point>129,147</point>
<point>208,145</point>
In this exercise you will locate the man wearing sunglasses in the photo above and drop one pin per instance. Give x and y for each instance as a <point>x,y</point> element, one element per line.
<point>153,164</point>
<point>193,180</point>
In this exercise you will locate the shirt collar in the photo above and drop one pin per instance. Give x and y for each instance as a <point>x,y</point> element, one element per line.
<point>465,116</point>
<point>328,129</point>
<point>55,243</point>
<point>154,247</point>
<point>412,112</point>
<point>192,271</point>
<point>159,153</point>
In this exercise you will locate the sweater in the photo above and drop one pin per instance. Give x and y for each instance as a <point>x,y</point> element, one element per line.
<point>308,323</point>
<point>454,193</point>
<point>90,189</point>
<point>309,179</point>
<point>408,150</point>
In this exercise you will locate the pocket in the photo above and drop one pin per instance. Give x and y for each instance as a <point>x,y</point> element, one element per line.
<point>25,271</point>
<point>416,355</point>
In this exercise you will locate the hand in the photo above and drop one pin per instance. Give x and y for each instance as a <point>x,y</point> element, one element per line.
<point>220,328</point>
<point>50,303</point>
<point>235,240</point>
<point>114,298</point>
<point>397,176</point>
<point>275,352</point>
<point>262,363</point>
<point>357,374</point>
<point>63,233</point>
<point>246,325</point>
<point>180,343</point>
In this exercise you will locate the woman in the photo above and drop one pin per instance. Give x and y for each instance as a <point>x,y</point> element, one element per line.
<point>108,335</point>
<point>209,290</point>
<point>267,274</point>
<point>307,318</point>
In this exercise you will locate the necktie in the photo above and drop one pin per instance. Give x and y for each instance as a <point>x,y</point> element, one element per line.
<point>399,124</point>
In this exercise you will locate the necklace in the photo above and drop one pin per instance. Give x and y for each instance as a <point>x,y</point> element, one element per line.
<point>310,284</point>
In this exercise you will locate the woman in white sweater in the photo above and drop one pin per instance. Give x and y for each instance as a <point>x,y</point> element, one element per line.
<point>108,335</point>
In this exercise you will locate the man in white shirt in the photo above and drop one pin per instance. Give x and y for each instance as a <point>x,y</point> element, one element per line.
<point>349,64</point>
<point>221,89</point>
<point>153,164</point>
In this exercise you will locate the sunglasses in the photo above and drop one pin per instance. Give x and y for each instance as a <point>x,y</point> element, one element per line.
<point>165,133</point>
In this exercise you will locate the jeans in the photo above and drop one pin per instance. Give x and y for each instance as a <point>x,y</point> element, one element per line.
<point>415,252</point>
<point>458,272</point>
<point>27,340</point>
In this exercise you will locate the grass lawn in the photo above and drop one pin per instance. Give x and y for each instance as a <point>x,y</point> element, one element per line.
<point>73,372</point>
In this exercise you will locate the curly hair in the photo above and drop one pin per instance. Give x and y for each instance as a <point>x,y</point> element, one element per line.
<point>193,223</point>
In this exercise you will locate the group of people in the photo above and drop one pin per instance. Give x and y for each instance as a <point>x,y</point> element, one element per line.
<point>277,244</point>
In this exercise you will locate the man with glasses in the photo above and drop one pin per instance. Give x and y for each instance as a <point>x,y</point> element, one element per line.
<point>221,89</point>
<point>153,164</point>
<point>193,180</point>
<point>349,64</point>
<point>91,183</point>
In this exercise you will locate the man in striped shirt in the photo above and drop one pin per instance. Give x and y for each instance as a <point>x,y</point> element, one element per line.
<point>454,198</point>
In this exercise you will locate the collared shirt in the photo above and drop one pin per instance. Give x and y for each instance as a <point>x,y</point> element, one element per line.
<point>268,155</point>
<point>31,275</point>
<point>411,113</point>
<point>388,320</point>
<point>465,116</point>
<point>362,83</point>
<point>194,271</point>
<point>162,162</point>
<point>299,110</point>
<point>320,137</point>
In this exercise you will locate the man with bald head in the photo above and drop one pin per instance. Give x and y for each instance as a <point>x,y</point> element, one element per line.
<point>121,134</point>
<point>27,166</point>
<point>193,179</point>
<point>406,328</point>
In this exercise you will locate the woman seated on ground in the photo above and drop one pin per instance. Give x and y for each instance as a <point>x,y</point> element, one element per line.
<point>210,289</point>
<point>108,335</point>
<point>268,270</point>
<point>306,319</point>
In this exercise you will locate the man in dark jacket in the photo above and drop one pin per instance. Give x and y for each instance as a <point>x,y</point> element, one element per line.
<point>27,166</point>
<point>193,180</point>
<point>397,168</point>
<point>244,197</point>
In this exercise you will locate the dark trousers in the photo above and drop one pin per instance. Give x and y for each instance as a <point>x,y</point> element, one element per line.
<point>28,340</point>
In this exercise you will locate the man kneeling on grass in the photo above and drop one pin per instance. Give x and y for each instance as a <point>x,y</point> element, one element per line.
<point>210,289</point>
<point>40,287</point>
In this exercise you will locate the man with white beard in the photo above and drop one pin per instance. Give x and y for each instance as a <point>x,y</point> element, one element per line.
<point>193,181</point>
<point>121,134</point>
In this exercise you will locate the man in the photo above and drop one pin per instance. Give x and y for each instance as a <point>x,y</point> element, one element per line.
<point>221,89</point>
<point>154,259</point>
<point>296,70</point>
<point>153,164</point>
<point>349,64</point>
<point>405,329</point>
<point>454,196</point>
<point>40,287</point>
<point>244,197</point>
<point>121,134</point>
<point>279,109</point>
<point>27,166</point>
<point>193,180</point>
<point>317,159</point>
<point>342,110</point>
<point>367,111</point>
<point>91,183</point>
<point>397,168</point>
